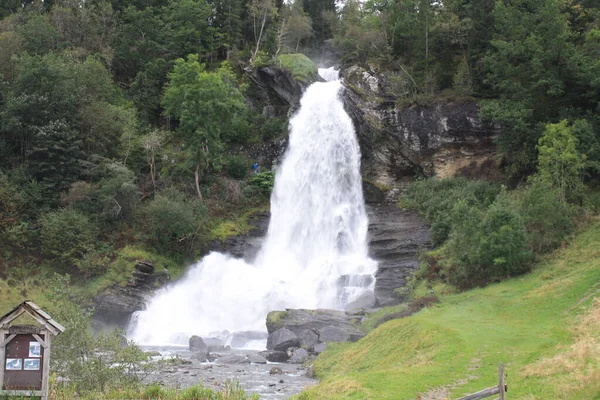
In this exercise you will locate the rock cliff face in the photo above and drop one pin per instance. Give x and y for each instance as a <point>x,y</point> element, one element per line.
<point>115,305</point>
<point>442,139</point>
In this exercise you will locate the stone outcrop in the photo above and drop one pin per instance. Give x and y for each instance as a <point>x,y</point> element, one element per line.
<point>245,246</point>
<point>444,138</point>
<point>395,239</point>
<point>115,305</point>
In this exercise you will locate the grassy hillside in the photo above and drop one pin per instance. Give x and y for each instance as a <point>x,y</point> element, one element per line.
<point>545,328</point>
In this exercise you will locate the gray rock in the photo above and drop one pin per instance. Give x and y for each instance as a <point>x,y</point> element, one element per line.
<point>281,339</point>
<point>196,343</point>
<point>372,193</point>
<point>308,338</point>
<point>233,359</point>
<point>298,320</point>
<point>202,356</point>
<point>256,359</point>
<point>366,300</point>
<point>319,348</point>
<point>275,356</point>
<point>299,356</point>
<point>309,373</point>
<point>339,334</point>
<point>275,371</point>
<point>442,138</point>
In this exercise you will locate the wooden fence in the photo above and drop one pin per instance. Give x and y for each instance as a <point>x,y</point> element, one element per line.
<point>500,389</point>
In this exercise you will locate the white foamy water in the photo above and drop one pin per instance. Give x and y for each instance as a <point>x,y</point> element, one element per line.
<point>329,74</point>
<point>317,233</point>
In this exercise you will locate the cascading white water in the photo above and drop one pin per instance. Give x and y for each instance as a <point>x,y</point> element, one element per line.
<point>316,235</point>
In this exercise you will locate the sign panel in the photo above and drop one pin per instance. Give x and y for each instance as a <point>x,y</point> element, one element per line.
<point>24,361</point>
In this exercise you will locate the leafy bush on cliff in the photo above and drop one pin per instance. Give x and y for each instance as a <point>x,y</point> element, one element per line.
<point>300,66</point>
<point>169,220</point>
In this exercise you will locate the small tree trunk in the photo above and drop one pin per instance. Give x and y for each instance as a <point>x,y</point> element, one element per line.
<point>152,172</point>
<point>197,180</point>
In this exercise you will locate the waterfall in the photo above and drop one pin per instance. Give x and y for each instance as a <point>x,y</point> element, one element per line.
<point>315,247</point>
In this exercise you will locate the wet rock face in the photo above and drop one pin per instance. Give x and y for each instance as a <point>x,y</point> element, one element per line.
<point>442,139</point>
<point>396,238</point>
<point>115,305</point>
<point>245,246</point>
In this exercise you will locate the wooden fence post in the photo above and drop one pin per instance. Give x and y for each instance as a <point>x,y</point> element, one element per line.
<point>501,381</point>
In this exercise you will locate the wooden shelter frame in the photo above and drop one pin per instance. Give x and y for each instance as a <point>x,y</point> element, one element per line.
<point>48,327</point>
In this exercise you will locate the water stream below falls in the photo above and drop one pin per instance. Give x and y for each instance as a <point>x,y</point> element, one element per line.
<point>315,252</point>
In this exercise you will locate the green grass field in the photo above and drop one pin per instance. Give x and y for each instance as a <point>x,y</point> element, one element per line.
<point>544,326</point>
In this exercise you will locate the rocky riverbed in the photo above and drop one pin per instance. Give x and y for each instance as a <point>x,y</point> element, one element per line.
<point>269,380</point>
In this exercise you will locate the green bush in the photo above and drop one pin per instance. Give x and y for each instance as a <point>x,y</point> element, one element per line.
<point>547,219</point>
<point>480,229</point>
<point>66,236</point>
<point>237,166</point>
<point>300,66</point>
<point>486,246</point>
<point>263,182</point>
<point>435,199</point>
<point>168,220</point>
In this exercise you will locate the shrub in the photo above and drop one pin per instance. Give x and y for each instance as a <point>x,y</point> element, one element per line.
<point>486,245</point>
<point>168,219</point>
<point>237,166</point>
<point>263,182</point>
<point>300,66</point>
<point>66,236</point>
<point>436,198</point>
<point>547,219</point>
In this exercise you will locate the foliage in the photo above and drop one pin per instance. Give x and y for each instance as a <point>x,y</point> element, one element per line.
<point>300,66</point>
<point>170,220</point>
<point>547,219</point>
<point>91,364</point>
<point>206,104</point>
<point>560,163</point>
<point>436,200</point>
<point>66,236</point>
<point>237,166</point>
<point>263,181</point>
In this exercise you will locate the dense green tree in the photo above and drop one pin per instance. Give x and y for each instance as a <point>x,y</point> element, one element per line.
<point>205,103</point>
<point>317,10</point>
<point>66,236</point>
<point>56,158</point>
<point>560,163</point>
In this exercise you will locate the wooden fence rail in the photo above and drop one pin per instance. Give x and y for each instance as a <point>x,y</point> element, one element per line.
<point>500,389</point>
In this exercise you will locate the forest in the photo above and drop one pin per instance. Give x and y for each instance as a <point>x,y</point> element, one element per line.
<point>101,147</point>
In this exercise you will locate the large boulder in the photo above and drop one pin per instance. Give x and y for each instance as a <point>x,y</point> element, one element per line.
<point>282,339</point>
<point>233,359</point>
<point>196,344</point>
<point>299,356</point>
<point>297,320</point>
<point>308,338</point>
<point>339,334</point>
<point>275,356</point>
